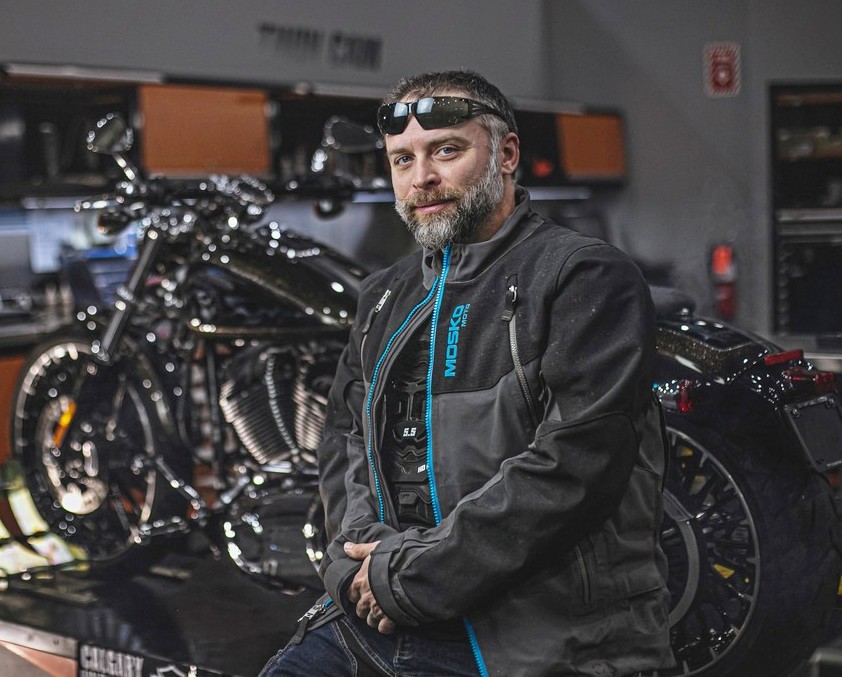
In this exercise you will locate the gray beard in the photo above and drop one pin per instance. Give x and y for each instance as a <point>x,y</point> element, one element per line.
<point>474,203</point>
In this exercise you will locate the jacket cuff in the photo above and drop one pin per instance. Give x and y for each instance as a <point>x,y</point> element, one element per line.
<point>337,579</point>
<point>381,584</point>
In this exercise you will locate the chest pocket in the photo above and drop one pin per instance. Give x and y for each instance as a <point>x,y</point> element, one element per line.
<point>479,340</point>
<point>367,326</point>
<point>509,317</point>
<point>470,340</point>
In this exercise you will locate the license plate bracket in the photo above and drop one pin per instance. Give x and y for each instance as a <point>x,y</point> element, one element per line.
<point>817,423</point>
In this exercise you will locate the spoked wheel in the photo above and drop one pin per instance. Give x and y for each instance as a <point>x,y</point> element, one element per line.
<point>82,433</point>
<point>752,571</point>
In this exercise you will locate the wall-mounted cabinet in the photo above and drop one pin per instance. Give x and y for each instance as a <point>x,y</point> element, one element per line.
<point>200,128</point>
<point>191,129</point>
<point>42,135</point>
<point>806,145</point>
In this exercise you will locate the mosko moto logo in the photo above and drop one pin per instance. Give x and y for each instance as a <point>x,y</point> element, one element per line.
<point>458,319</point>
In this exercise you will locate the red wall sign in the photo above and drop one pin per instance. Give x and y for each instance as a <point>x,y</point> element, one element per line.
<point>722,69</point>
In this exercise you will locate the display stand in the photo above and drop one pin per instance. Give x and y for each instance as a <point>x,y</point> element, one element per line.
<point>189,614</point>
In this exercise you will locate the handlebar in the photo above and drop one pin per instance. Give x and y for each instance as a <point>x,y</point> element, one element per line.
<point>218,198</point>
<point>241,196</point>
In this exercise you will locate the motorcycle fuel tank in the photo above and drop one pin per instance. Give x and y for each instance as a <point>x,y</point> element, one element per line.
<point>268,281</point>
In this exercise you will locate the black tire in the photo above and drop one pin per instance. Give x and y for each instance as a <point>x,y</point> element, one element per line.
<point>753,570</point>
<point>91,476</point>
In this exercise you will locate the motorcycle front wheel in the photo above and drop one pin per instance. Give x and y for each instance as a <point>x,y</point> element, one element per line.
<point>753,572</point>
<point>83,433</point>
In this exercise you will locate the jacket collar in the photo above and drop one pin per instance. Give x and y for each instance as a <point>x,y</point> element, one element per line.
<point>467,260</point>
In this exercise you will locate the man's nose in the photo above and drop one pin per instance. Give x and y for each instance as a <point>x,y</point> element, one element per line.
<point>424,175</point>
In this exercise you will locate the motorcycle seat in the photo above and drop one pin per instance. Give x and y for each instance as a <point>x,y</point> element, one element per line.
<point>671,302</point>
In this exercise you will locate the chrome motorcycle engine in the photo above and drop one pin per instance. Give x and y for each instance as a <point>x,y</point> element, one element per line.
<point>263,536</point>
<point>275,400</point>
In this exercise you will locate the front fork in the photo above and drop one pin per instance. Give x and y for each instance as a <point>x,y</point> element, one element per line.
<point>127,301</point>
<point>104,351</point>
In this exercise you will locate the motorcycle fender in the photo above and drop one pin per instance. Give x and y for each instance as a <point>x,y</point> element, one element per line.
<point>736,413</point>
<point>809,431</point>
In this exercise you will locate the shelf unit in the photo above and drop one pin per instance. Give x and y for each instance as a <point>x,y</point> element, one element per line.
<point>806,145</point>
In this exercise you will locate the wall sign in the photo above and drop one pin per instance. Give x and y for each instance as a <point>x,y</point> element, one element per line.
<point>722,69</point>
<point>337,48</point>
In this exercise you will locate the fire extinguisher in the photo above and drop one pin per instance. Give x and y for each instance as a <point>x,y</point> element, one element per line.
<point>723,269</point>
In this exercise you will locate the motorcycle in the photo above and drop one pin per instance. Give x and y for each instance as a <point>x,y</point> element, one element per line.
<point>198,401</point>
<point>751,518</point>
<point>238,323</point>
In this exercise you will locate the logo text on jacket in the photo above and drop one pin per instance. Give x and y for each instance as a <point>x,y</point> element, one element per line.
<point>458,319</point>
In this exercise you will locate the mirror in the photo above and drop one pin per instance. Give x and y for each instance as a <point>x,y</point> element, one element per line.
<point>110,136</point>
<point>351,151</point>
<point>342,135</point>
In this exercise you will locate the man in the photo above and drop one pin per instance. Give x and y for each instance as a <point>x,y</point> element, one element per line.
<point>493,463</point>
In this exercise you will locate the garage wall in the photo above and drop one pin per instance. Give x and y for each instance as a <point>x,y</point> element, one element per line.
<point>357,47</point>
<point>689,154</point>
<point>699,166</point>
<point>790,42</point>
<point>368,43</point>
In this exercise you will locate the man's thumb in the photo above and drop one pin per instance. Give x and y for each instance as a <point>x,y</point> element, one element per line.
<point>350,548</point>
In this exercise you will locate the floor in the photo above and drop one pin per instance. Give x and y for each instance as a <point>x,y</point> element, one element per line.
<point>15,661</point>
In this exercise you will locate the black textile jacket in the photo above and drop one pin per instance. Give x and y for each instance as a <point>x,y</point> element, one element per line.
<point>545,452</point>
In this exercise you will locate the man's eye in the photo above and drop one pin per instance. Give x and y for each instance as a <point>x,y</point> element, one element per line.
<point>447,150</point>
<point>402,159</point>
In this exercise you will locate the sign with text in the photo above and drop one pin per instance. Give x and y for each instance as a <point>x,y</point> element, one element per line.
<point>722,69</point>
<point>97,661</point>
<point>337,48</point>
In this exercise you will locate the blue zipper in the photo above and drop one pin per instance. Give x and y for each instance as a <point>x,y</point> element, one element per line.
<point>374,375</point>
<point>434,495</point>
<point>472,638</point>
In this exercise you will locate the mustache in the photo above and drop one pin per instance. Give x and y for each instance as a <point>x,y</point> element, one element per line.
<point>436,195</point>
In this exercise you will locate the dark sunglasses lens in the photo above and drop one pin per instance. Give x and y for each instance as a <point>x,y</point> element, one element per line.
<point>435,113</point>
<point>392,118</point>
<point>432,112</point>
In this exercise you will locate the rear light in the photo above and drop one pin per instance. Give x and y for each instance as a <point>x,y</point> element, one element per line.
<point>684,399</point>
<point>781,358</point>
<point>810,381</point>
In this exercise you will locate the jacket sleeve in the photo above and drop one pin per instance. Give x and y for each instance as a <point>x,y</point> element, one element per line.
<point>351,513</point>
<point>597,367</point>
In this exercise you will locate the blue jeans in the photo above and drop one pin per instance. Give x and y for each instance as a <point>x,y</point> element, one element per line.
<point>325,652</point>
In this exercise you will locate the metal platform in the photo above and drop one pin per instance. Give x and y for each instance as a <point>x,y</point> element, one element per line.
<point>189,614</point>
<point>193,615</point>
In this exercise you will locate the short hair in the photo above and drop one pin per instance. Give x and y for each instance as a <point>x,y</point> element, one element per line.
<point>466,82</point>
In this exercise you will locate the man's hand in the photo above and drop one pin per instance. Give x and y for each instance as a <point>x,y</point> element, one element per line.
<point>360,591</point>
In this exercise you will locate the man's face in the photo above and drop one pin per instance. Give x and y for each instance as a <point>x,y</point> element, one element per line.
<point>447,183</point>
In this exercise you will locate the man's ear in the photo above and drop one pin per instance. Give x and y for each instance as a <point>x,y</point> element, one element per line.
<point>509,154</point>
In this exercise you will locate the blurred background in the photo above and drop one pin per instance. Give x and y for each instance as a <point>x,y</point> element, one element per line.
<point>710,127</point>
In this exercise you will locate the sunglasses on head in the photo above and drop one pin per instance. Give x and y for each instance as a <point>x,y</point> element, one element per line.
<point>432,112</point>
